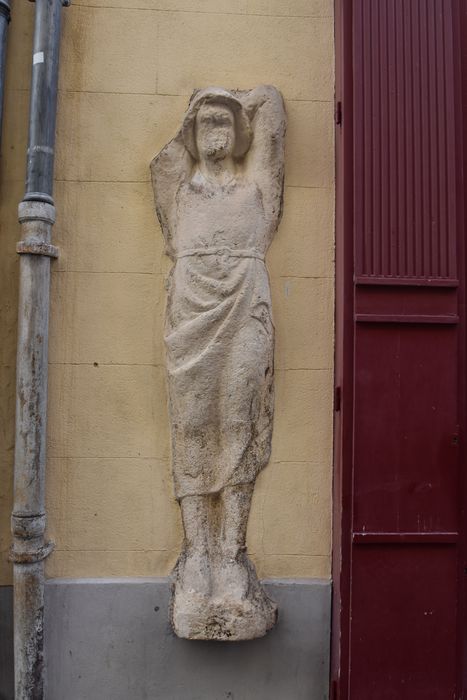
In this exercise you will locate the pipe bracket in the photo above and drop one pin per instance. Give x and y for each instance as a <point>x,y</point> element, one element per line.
<point>31,556</point>
<point>35,248</point>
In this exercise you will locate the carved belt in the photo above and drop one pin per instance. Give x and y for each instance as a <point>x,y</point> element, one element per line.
<point>228,252</point>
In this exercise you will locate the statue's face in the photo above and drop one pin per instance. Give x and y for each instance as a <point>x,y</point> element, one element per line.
<point>215,131</point>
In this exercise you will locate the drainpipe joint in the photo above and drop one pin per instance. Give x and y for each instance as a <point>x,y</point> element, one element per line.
<point>36,219</point>
<point>32,210</point>
<point>65,3</point>
<point>29,546</point>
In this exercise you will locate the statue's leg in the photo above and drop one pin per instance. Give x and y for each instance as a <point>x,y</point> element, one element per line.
<point>195,573</point>
<point>232,575</point>
<point>236,501</point>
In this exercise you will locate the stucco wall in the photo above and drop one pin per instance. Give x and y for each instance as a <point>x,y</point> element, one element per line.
<point>128,68</point>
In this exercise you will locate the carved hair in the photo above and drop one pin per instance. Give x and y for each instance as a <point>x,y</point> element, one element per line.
<point>213,95</point>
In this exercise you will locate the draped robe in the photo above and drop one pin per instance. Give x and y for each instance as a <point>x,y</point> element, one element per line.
<point>219,338</point>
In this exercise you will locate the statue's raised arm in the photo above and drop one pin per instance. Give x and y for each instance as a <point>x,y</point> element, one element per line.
<point>169,170</point>
<point>265,159</point>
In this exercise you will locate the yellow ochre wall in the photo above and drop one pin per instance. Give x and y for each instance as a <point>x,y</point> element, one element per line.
<point>127,70</point>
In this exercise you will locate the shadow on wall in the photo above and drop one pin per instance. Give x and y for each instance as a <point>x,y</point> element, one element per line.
<point>6,643</point>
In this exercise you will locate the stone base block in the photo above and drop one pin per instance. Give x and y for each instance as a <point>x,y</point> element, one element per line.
<point>240,611</point>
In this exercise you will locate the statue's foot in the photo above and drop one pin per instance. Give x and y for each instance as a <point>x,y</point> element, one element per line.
<point>191,590</point>
<point>240,608</point>
<point>192,574</point>
<point>231,579</point>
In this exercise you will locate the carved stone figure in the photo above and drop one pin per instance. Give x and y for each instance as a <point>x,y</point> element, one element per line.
<point>218,189</point>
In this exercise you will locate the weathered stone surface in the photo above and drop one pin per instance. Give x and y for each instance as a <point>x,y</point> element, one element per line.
<point>218,189</point>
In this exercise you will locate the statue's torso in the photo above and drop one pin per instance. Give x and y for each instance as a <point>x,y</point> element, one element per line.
<point>210,215</point>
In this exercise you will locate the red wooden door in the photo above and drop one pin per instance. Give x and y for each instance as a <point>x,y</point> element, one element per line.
<point>399,532</point>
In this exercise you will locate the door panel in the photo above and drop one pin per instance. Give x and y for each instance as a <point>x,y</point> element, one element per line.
<point>406,428</point>
<point>404,631</point>
<point>405,139</point>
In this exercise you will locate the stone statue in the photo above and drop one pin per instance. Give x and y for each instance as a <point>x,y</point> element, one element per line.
<point>218,189</point>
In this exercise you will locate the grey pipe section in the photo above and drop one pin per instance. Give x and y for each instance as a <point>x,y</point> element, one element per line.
<point>4,21</point>
<point>43,106</point>
<point>36,215</point>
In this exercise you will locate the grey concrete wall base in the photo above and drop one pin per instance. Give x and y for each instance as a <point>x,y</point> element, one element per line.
<point>109,639</point>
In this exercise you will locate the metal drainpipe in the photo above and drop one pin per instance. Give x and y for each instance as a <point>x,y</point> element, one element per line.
<point>36,215</point>
<point>4,21</point>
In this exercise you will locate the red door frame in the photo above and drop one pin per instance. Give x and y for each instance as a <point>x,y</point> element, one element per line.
<point>461,40</point>
<point>344,354</point>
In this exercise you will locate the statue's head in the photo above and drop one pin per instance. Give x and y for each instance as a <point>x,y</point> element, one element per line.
<point>216,126</point>
<point>215,131</point>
